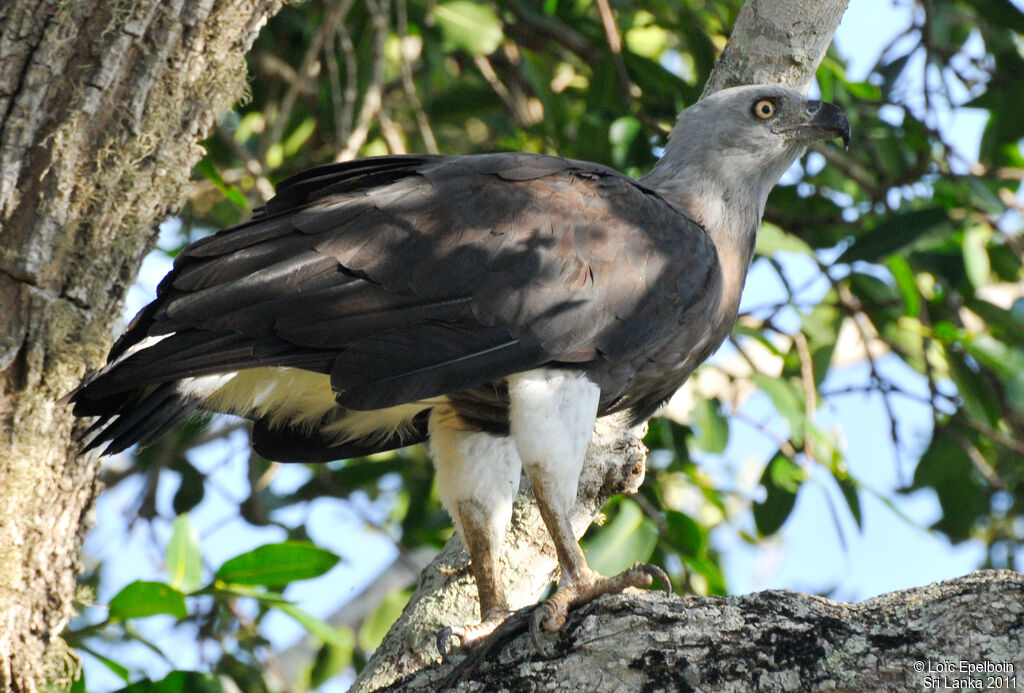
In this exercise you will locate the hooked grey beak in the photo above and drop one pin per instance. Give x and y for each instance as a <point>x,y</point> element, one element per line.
<point>826,120</point>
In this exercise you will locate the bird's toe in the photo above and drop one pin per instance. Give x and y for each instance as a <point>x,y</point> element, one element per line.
<point>452,638</point>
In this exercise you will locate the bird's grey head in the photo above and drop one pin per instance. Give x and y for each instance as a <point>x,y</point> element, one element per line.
<point>737,143</point>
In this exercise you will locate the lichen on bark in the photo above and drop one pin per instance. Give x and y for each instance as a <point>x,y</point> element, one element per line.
<point>102,106</point>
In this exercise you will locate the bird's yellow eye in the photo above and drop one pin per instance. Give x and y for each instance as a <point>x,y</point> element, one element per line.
<point>764,109</point>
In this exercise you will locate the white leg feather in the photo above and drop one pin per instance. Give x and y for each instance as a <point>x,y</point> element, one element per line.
<point>478,477</point>
<point>551,416</point>
<point>474,466</point>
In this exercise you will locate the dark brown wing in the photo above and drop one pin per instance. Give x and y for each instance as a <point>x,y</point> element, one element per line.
<point>411,277</point>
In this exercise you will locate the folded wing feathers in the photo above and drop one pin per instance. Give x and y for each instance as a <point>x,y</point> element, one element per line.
<point>426,361</point>
<point>406,278</point>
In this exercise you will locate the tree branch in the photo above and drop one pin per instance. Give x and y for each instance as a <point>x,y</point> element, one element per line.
<point>771,641</point>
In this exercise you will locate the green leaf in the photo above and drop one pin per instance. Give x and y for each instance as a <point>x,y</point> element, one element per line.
<point>895,233</point>
<point>772,239</point>
<point>821,327</point>
<point>781,480</point>
<point>685,533</point>
<point>979,400</point>
<point>469,26</point>
<point>851,493</point>
<point>206,169</point>
<point>623,136</point>
<point>906,283</point>
<point>266,596</point>
<point>976,261</point>
<point>119,670</point>
<point>142,598</point>
<point>379,622</point>
<point>274,565</point>
<point>178,682</point>
<point>707,569</point>
<point>648,41</point>
<point>788,401</point>
<point>629,537</point>
<point>191,489</point>
<point>325,632</point>
<point>712,426</point>
<point>293,143</point>
<point>184,562</point>
<point>328,663</point>
<point>946,468</point>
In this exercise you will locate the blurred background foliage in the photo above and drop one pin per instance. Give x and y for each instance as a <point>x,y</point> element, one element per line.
<point>916,253</point>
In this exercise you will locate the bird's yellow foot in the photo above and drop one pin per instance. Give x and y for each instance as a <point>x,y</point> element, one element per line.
<point>552,612</point>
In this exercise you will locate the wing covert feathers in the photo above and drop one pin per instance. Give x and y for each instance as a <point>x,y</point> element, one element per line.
<point>411,277</point>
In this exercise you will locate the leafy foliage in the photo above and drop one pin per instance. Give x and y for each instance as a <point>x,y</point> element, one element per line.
<point>915,250</point>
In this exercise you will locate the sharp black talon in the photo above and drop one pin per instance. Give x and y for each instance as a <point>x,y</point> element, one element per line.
<point>444,637</point>
<point>658,574</point>
<point>536,619</point>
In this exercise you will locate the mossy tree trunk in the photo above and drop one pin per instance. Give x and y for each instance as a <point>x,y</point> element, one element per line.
<point>102,104</point>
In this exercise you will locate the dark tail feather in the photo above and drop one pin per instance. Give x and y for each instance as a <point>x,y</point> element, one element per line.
<point>141,421</point>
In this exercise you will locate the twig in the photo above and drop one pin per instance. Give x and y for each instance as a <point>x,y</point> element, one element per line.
<point>372,99</point>
<point>993,433</point>
<point>429,142</point>
<point>807,379</point>
<point>486,69</point>
<point>977,459</point>
<point>348,49</point>
<point>391,133</point>
<point>611,32</point>
<point>852,307</point>
<point>335,15</point>
<point>785,447</point>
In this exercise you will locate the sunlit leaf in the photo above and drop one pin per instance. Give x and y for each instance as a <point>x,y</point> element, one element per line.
<point>184,562</point>
<point>178,682</point>
<point>206,169</point>
<point>772,239</point>
<point>648,41</point>
<point>277,564</point>
<point>906,283</point>
<point>298,137</point>
<point>685,533</point>
<point>788,401</point>
<point>142,598</point>
<point>627,538</point>
<point>781,480</point>
<point>470,26</point>
<point>712,426</point>
<point>976,260</point>
<point>325,632</point>
<point>623,135</point>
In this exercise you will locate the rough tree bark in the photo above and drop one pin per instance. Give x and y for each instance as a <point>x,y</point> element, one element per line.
<point>101,108</point>
<point>966,633</point>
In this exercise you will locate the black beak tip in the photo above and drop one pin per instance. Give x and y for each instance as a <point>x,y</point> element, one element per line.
<point>834,119</point>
